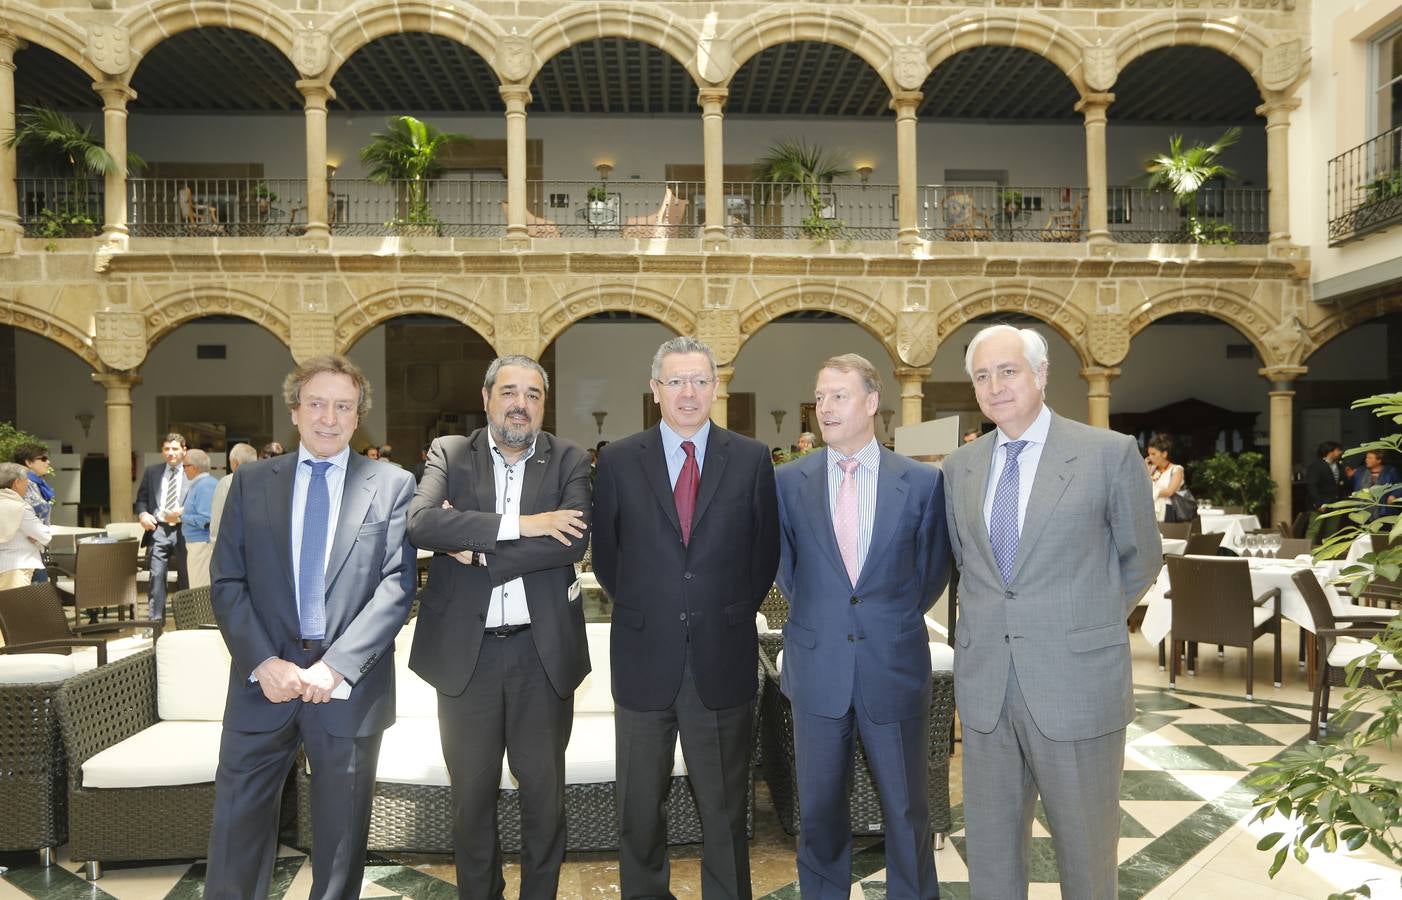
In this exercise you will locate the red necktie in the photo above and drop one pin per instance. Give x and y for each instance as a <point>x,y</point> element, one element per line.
<point>685,491</point>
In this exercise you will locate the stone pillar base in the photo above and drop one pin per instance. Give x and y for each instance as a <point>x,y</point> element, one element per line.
<point>714,239</point>
<point>315,239</point>
<point>9,240</point>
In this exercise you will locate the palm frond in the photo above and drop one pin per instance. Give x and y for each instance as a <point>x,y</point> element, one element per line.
<point>61,142</point>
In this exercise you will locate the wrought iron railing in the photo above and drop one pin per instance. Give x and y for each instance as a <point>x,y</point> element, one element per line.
<point>642,210</point>
<point>216,207</point>
<point>449,207</point>
<point>1218,215</point>
<point>1365,188</point>
<point>60,207</point>
<point>784,211</point>
<point>962,212</point>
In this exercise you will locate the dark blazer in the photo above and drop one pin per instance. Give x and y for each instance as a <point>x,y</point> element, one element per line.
<point>1321,486</point>
<point>369,586</point>
<point>878,627</point>
<point>665,591</point>
<point>148,493</point>
<point>453,609</point>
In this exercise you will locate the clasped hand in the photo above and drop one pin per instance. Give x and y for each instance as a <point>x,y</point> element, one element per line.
<point>283,681</point>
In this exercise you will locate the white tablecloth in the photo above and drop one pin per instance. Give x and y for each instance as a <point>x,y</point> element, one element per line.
<point>1174,545</point>
<point>1265,574</point>
<point>1233,528</point>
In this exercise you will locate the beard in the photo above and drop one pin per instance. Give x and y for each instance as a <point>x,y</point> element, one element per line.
<point>510,434</point>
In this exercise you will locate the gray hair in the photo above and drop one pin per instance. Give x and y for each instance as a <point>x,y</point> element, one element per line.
<point>240,454</point>
<point>524,362</point>
<point>1034,347</point>
<point>679,345</point>
<point>197,458</point>
<point>12,472</point>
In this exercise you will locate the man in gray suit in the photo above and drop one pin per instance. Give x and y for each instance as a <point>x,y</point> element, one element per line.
<point>1052,526</point>
<point>312,578</point>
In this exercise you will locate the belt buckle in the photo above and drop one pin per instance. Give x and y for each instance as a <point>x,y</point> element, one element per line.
<point>311,643</point>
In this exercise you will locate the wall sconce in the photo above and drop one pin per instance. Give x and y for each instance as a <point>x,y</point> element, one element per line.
<point>603,168</point>
<point>599,416</point>
<point>886,415</point>
<point>331,170</point>
<point>85,420</point>
<point>864,172</point>
<point>778,415</point>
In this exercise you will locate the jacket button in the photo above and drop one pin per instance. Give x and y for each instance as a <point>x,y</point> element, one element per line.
<point>855,601</point>
<point>1005,639</point>
<point>850,638</point>
<point>1009,595</point>
<point>687,576</point>
<point>683,617</point>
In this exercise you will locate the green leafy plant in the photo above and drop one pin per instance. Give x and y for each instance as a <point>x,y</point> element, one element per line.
<point>598,194</point>
<point>407,154</point>
<point>1235,480</point>
<point>1385,187</point>
<point>1335,793</point>
<point>262,192</point>
<point>794,166</point>
<point>11,437</point>
<point>1184,171</point>
<point>1011,202</point>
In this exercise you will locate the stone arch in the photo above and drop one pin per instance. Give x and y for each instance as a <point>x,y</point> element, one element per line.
<point>353,322</point>
<point>1060,313</point>
<point>371,20</point>
<point>1228,306</point>
<point>1344,320</point>
<point>865,311</point>
<point>1045,37</point>
<point>663,308</point>
<point>52,32</point>
<point>62,333</point>
<point>173,310</point>
<point>1236,38</point>
<point>842,28</point>
<point>149,25</point>
<point>635,21</point>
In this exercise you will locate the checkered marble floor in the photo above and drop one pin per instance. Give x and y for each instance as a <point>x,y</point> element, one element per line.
<point>1184,804</point>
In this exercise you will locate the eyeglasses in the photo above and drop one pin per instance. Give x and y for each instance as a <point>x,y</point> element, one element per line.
<point>676,384</point>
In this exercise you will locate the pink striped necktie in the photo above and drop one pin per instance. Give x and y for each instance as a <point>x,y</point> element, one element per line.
<point>845,521</point>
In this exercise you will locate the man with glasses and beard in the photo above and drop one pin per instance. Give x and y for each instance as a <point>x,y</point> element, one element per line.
<point>500,632</point>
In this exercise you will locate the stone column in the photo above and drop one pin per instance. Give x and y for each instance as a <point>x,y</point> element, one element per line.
<point>1277,109</point>
<point>516,97</point>
<point>115,97</point>
<point>912,379</point>
<point>119,385</point>
<point>1282,394</point>
<point>712,100</point>
<point>720,409</point>
<point>907,178</point>
<point>1098,393</point>
<point>10,228</point>
<point>1092,107</point>
<point>315,96</point>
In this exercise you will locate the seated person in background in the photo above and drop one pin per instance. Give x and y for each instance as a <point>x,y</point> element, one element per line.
<point>195,516</point>
<point>22,536</point>
<point>1375,472</point>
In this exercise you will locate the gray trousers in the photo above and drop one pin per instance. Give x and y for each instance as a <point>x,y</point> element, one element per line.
<point>1079,782</point>
<point>167,548</point>
<point>509,707</point>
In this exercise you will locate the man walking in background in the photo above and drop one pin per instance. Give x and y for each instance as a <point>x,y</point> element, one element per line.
<point>159,500</point>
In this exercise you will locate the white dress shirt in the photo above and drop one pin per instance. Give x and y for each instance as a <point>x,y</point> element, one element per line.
<point>1027,461</point>
<point>868,469</point>
<point>174,473</point>
<point>335,487</point>
<point>508,604</point>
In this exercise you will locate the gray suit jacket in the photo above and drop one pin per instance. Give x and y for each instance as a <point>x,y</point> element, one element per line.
<point>1089,549</point>
<point>369,586</point>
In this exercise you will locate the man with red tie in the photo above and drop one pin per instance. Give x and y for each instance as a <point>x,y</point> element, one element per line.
<point>686,543</point>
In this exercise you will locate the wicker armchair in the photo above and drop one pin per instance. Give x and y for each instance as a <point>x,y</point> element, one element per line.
<point>32,620</point>
<point>1204,544</point>
<point>781,772</point>
<point>193,608</point>
<point>775,607</point>
<point>33,770</point>
<point>1213,603</point>
<point>1176,530</point>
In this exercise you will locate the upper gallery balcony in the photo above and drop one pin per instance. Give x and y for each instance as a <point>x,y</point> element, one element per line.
<point>1365,188</point>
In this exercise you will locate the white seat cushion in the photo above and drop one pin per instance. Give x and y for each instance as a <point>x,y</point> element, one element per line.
<point>85,658</point>
<point>167,753</point>
<point>35,668</point>
<point>941,658</point>
<point>1345,651</point>
<point>414,698</point>
<point>1354,609</point>
<point>192,675</point>
<point>412,753</point>
<point>595,693</point>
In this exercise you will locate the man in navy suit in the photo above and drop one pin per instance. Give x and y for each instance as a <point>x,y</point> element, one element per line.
<point>159,501</point>
<point>313,576</point>
<point>864,552</point>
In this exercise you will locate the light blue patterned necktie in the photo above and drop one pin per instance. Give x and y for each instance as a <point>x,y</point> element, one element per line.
<point>1002,522</point>
<point>311,576</point>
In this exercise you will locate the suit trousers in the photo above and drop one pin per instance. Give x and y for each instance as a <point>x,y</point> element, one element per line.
<point>197,557</point>
<point>1079,782</point>
<point>509,706</point>
<point>899,759</point>
<point>253,768</point>
<point>167,548</point>
<point>716,745</point>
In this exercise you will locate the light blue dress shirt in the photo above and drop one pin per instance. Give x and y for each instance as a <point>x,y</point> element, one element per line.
<point>676,456</point>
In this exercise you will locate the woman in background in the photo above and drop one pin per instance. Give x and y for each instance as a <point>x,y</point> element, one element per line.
<point>1167,478</point>
<point>22,536</point>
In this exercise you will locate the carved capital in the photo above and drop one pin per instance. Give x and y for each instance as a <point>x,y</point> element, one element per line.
<point>1094,106</point>
<point>118,386</point>
<point>719,329</point>
<point>1277,109</point>
<point>1282,378</point>
<point>9,43</point>
<point>916,340</point>
<point>313,334</point>
<point>315,93</point>
<point>514,58</point>
<point>109,48</point>
<point>906,102</point>
<point>516,96</point>
<point>1099,66</point>
<point>909,67</point>
<point>912,379</point>
<point>1098,379</point>
<point>712,96</point>
<point>115,94</point>
<point>120,338</point>
<point>311,51</point>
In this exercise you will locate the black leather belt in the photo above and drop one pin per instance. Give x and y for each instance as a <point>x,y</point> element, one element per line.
<point>505,631</point>
<point>312,643</point>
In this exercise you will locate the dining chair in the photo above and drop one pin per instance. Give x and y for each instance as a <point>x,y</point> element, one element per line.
<point>1213,604</point>
<point>1336,647</point>
<point>1175,530</point>
<point>1292,547</point>
<point>1204,544</point>
<point>105,577</point>
<point>32,620</point>
<point>1383,591</point>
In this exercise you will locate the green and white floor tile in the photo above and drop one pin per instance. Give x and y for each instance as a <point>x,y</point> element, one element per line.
<point>1182,833</point>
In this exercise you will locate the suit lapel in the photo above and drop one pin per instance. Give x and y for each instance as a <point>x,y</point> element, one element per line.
<point>356,495</point>
<point>486,487</point>
<point>654,466</point>
<point>890,501</point>
<point>1050,483</point>
<point>279,499</point>
<point>534,474</point>
<point>975,482</point>
<point>717,452</point>
<point>814,493</point>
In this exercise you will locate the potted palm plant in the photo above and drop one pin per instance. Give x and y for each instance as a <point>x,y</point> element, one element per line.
<point>794,166</point>
<point>55,144</point>
<point>407,154</point>
<point>1235,480</point>
<point>1183,172</point>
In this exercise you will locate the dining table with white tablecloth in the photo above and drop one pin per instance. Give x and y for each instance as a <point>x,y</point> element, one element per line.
<point>1174,546</point>
<point>1234,527</point>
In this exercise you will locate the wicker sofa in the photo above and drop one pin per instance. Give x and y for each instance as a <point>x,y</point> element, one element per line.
<point>777,735</point>
<point>412,810</point>
<point>33,774</point>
